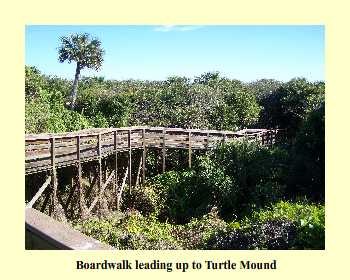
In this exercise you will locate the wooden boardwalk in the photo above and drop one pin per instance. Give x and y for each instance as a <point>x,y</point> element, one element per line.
<point>43,151</point>
<point>48,152</point>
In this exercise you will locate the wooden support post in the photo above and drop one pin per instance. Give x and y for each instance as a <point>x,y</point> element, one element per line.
<point>53,176</point>
<point>102,190</point>
<point>72,191</point>
<point>223,137</point>
<point>129,168</point>
<point>143,156</point>
<point>163,151</point>
<point>80,183</point>
<point>104,169</point>
<point>99,167</point>
<point>208,139</point>
<point>189,150</point>
<point>116,161</point>
<point>92,184</point>
<point>119,196</point>
<point>138,172</point>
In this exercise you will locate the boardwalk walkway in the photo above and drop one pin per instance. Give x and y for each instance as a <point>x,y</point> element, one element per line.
<point>48,152</point>
<point>43,151</point>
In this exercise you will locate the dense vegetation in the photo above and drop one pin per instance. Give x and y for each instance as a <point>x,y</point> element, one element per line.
<point>238,196</point>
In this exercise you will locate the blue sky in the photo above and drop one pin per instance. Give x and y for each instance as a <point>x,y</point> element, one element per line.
<point>152,52</point>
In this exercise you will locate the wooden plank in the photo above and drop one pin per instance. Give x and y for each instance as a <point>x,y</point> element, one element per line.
<point>38,194</point>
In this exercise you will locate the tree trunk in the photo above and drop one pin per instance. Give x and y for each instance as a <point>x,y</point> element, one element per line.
<point>75,87</point>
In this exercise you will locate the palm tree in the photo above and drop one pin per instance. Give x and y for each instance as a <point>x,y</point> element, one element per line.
<point>85,51</point>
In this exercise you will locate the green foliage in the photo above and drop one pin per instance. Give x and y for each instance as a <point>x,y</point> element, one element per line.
<point>288,106</point>
<point>47,113</point>
<point>131,231</point>
<point>234,178</point>
<point>196,233</point>
<point>106,230</point>
<point>257,174</point>
<point>86,51</point>
<point>307,171</point>
<point>284,225</point>
<point>220,202</point>
<point>146,199</point>
<point>309,220</point>
<point>175,190</point>
<point>34,81</point>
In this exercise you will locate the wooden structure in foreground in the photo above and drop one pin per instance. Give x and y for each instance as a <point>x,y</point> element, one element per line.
<point>48,152</point>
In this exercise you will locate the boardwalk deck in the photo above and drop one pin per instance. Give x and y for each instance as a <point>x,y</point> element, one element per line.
<point>65,149</point>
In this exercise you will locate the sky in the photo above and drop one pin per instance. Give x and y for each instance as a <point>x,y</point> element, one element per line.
<point>150,52</point>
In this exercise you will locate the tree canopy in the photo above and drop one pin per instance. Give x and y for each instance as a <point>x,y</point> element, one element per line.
<point>83,50</point>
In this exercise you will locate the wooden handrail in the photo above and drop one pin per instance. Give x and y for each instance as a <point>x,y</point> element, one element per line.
<point>102,142</point>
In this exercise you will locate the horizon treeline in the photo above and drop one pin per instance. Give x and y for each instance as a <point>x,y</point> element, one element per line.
<point>208,101</point>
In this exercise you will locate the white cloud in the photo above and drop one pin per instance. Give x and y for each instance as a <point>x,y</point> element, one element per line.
<point>167,28</point>
<point>164,28</point>
<point>189,27</point>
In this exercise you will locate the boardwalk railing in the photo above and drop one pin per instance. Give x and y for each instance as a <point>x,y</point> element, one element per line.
<point>48,152</point>
<point>42,151</point>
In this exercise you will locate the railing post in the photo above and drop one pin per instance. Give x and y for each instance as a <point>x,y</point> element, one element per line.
<point>189,150</point>
<point>80,184</point>
<point>143,156</point>
<point>100,183</point>
<point>223,137</point>
<point>116,162</point>
<point>129,171</point>
<point>163,151</point>
<point>208,139</point>
<point>53,176</point>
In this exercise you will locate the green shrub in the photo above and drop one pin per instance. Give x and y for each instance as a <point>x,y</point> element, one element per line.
<point>307,168</point>
<point>272,235</point>
<point>148,233</point>
<point>308,218</point>
<point>255,175</point>
<point>131,231</point>
<point>47,113</point>
<point>196,233</point>
<point>106,230</point>
<point>144,199</point>
<point>284,225</point>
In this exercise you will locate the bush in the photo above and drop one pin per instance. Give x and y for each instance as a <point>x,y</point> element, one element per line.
<point>144,199</point>
<point>307,171</point>
<point>272,234</point>
<point>130,231</point>
<point>196,233</point>
<point>256,175</point>
<point>47,113</point>
<point>284,225</point>
<point>308,218</point>
<point>106,230</point>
